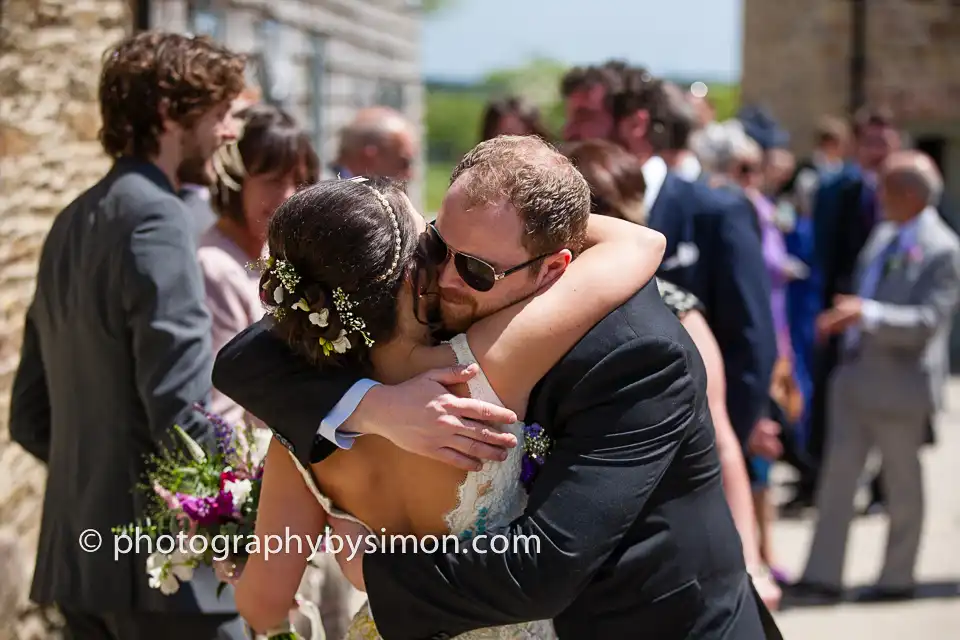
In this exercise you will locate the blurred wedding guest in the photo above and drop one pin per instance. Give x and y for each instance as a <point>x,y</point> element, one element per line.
<point>586,93</point>
<point>846,209</point>
<point>116,345</point>
<point>794,201</point>
<point>254,175</point>
<point>196,175</point>
<point>736,162</point>
<point>379,142</point>
<point>617,189</point>
<point>713,250</point>
<point>512,116</point>
<point>828,159</point>
<point>677,154</point>
<point>888,384</point>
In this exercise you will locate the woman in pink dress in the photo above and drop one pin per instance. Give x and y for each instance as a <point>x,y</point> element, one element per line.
<point>270,158</point>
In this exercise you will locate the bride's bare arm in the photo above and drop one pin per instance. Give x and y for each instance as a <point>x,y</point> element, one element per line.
<point>268,584</point>
<point>516,347</point>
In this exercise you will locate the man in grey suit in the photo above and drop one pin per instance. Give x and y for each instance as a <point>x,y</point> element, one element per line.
<point>116,346</point>
<point>889,383</point>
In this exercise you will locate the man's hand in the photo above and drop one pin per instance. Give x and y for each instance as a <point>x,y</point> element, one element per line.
<point>764,440</point>
<point>422,416</point>
<point>352,535</point>
<point>846,312</point>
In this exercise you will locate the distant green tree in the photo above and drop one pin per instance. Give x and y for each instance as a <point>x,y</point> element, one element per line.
<point>430,7</point>
<point>725,99</point>
<point>452,123</point>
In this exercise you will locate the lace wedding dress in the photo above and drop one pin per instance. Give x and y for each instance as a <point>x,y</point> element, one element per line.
<point>488,498</point>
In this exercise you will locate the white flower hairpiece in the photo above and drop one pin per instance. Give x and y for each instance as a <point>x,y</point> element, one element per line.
<point>284,273</point>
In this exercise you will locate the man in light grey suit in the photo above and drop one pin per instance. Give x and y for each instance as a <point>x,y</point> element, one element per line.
<point>889,383</point>
<point>116,346</point>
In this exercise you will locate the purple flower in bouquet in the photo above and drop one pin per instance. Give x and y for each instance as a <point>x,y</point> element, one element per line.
<point>222,431</point>
<point>536,445</point>
<point>208,511</point>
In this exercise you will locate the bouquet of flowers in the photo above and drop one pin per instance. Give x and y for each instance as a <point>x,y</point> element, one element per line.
<point>199,497</point>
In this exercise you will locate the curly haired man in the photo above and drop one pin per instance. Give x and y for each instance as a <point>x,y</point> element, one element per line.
<point>116,346</point>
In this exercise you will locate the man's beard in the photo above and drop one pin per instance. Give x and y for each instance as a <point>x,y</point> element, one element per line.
<point>195,169</point>
<point>457,312</point>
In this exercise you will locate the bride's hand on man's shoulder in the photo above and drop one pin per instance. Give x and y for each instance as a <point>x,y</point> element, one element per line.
<point>423,417</point>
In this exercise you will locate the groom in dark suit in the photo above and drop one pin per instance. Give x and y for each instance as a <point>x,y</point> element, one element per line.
<point>116,346</point>
<point>634,531</point>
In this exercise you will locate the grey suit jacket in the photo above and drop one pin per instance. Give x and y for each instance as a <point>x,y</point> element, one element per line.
<point>116,350</point>
<point>903,358</point>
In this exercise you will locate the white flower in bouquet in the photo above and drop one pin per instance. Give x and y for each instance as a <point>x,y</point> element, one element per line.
<point>168,571</point>
<point>239,489</point>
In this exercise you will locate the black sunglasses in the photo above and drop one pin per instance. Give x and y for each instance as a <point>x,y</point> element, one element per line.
<point>477,273</point>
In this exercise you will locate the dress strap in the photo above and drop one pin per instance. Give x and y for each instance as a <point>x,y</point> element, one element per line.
<point>479,386</point>
<point>324,501</point>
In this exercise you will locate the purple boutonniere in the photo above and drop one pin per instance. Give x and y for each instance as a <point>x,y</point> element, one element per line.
<point>536,446</point>
<point>915,254</point>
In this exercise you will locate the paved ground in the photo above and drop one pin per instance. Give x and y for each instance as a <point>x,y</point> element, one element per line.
<point>934,616</point>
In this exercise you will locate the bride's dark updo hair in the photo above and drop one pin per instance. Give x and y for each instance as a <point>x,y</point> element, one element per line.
<point>339,252</point>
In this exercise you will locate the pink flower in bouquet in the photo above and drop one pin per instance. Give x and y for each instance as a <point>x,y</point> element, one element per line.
<point>171,500</point>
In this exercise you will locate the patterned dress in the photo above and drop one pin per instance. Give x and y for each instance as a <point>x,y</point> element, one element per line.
<point>679,301</point>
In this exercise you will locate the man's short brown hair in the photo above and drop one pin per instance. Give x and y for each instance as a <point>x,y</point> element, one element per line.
<point>551,197</point>
<point>872,116</point>
<point>190,74</point>
<point>832,129</point>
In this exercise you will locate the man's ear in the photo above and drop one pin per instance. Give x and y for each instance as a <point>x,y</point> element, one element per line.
<point>163,109</point>
<point>553,267</point>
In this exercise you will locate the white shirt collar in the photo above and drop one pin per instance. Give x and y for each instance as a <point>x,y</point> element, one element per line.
<point>654,174</point>
<point>688,168</point>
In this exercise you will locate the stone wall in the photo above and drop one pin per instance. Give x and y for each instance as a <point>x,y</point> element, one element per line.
<point>49,120</point>
<point>796,59</point>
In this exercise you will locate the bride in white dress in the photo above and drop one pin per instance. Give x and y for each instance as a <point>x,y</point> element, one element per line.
<point>348,278</point>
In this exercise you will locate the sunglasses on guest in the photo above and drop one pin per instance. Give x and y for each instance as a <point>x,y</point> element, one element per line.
<point>476,273</point>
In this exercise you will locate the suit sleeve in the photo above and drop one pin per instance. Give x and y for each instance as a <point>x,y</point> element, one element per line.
<point>258,371</point>
<point>911,326</point>
<point>163,298</point>
<point>622,441</point>
<point>741,318</point>
<point>30,400</point>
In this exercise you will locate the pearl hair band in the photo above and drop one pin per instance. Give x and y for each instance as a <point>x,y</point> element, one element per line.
<point>393,219</point>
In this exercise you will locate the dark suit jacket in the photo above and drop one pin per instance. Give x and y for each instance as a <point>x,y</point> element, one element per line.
<point>116,350</point>
<point>634,529</point>
<point>840,231</point>
<point>730,279</point>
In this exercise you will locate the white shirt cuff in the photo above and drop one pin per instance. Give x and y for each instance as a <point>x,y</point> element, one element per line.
<point>330,425</point>
<point>870,314</point>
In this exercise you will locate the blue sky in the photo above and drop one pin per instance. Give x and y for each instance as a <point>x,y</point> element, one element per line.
<point>673,37</point>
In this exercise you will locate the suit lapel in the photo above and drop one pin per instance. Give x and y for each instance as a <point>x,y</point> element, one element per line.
<point>657,218</point>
